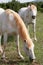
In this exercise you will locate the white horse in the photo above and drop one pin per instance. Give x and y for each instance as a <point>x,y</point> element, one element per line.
<point>28,14</point>
<point>11,22</point>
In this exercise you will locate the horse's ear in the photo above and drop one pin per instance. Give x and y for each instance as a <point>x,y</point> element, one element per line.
<point>29,6</point>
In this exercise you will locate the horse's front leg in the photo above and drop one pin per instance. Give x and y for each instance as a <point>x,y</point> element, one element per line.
<point>28,29</point>
<point>1,50</point>
<point>4,45</point>
<point>34,27</point>
<point>18,48</point>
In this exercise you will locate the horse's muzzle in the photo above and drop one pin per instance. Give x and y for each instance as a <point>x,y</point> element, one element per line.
<point>33,17</point>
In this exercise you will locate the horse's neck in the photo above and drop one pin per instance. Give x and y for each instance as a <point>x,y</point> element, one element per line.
<point>27,11</point>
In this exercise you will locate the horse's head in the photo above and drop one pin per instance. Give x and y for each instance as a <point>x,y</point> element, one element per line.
<point>29,49</point>
<point>33,11</point>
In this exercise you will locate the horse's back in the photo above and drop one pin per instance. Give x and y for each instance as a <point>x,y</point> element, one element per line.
<point>1,10</point>
<point>22,11</point>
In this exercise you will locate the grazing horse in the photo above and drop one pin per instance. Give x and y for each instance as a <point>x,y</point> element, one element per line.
<point>28,14</point>
<point>11,22</point>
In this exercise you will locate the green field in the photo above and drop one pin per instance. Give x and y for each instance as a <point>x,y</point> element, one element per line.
<point>11,52</point>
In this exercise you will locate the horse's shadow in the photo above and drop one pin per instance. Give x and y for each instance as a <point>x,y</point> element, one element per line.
<point>17,62</point>
<point>13,61</point>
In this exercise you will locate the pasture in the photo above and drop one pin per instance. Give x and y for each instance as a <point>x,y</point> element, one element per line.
<point>11,51</point>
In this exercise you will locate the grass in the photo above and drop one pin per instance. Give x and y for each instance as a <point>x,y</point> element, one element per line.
<point>11,52</point>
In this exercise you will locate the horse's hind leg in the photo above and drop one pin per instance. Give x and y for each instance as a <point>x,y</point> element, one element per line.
<point>1,50</point>
<point>4,45</point>
<point>34,27</point>
<point>18,48</point>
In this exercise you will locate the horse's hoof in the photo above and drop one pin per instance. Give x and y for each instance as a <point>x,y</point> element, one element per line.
<point>4,59</point>
<point>35,39</point>
<point>21,57</point>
